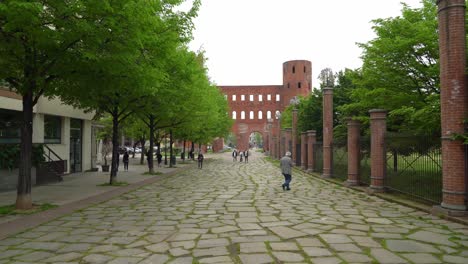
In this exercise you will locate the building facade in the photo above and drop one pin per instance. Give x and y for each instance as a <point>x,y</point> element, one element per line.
<point>66,131</point>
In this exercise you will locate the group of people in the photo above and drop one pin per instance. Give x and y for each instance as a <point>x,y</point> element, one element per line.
<point>244,155</point>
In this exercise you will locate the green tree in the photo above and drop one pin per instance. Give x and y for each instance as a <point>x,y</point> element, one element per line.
<point>400,72</point>
<point>37,39</point>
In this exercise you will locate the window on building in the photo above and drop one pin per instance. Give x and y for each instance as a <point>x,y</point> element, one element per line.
<point>251,98</point>
<point>260,97</point>
<point>10,126</point>
<point>260,115</point>
<point>233,97</point>
<point>234,115</point>
<point>242,97</point>
<point>299,85</point>
<point>268,97</point>
<point>294,69</point>
<point>304,68</point>
<point>268,114</point>
<point>242,115</point>
<point>52,129</point>
<point>251,115</point>
<point>277,98</point>
<point>225,97</point>
<point>288,85</point>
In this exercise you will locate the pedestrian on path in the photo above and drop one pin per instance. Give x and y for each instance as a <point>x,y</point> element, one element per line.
<point>125,160</point>
<point>159,157</point>
<point>241,154</point>
<point>286,169</point>
<point>246,155</point>
<point>234,155</point>
<point>200,160</point>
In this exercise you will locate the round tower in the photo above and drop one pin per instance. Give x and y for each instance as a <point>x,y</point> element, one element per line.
<point>297,80</point>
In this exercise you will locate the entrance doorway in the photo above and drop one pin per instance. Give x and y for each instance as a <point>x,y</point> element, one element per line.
<point>76,145</point>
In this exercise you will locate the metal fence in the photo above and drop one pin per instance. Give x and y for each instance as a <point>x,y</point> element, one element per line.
<point>414,166</point>
<point>318,157</point>
<point>340,160</point>
<point>365,162</point>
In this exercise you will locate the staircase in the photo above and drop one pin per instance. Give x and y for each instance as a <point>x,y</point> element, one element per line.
<point>52,168</point>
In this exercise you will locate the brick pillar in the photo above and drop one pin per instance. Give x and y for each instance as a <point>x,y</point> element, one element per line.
<point>311,139</point>
<point>287,141</point>
<point>303,150</point>
<point>378,127</point>
<point>327,131</point>
<point>453,100</point>
<point>294,136</point>
<point>354,152</point>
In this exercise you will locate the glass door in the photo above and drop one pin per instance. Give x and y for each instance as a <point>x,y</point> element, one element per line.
<point>75,145</point>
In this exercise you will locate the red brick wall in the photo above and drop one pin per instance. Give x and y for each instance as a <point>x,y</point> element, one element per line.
<point>242,128</point>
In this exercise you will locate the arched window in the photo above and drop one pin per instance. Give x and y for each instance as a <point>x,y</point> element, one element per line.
<point>242,97</point>
<point>251,98</point>
<point>242,115</point>
<point>233,97</point>
<point>251,115</point>
<point>234,115</point>
<point>260,115</point>
<point>294,69</point>
<point>260,97</point>
<point>277,97</point>
<point>269,97</point>
<point>268,114</point>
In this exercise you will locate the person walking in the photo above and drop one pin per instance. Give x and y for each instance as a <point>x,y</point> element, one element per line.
<point>200,160</point>
<point>246,155</point>
<point>159,158</point>
<point>234,155</point>
<point>286,169</point>
<point>125,160</point>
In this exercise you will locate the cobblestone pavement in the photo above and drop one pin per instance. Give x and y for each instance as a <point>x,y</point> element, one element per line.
<point>232,212</point>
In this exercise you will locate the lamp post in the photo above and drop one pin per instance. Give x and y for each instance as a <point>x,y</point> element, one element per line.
<point>269,126</point>
<point>278,117</point>
<point>294,102</point>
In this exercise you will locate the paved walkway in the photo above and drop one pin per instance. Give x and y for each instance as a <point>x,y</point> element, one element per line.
<point>231,212</point>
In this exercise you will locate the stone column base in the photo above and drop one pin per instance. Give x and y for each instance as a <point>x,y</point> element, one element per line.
<point>374,189</point>
<point>349,183</point>
<point>310,170</point>
<point>439,210</point>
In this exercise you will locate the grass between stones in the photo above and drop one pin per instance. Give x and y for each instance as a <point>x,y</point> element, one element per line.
<point>117,183</point>
<point>11,210</point>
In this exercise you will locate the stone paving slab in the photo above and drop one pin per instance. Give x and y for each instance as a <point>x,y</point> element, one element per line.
<point>232,212</point>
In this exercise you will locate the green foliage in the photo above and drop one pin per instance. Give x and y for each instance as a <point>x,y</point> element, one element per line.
<point>10,155</point>
<point>115,183</point>
<point>400,73</point>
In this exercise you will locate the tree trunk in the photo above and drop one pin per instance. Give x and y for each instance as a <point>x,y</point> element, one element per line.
<point>23,198</point>
<point>170,147</point>
<point>143,152</point>
<point>192,150</point>
<point>115,146</point>
<point>183,151</point>
<point>151,145</point>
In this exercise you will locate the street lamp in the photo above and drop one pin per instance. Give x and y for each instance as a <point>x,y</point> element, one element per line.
<point>294,102</point>
<point>269,126</point>
<point>278,117</point>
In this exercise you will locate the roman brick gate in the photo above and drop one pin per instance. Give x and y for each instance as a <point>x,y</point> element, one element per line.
<point>252,106</point>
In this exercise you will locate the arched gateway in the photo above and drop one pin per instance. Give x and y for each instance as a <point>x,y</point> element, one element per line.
<point>252,105</point>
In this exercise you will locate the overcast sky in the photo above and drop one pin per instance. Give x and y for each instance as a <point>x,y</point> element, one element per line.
<point>247,41</point>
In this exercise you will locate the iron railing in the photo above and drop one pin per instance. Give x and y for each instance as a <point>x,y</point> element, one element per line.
<point>414,166</point>
<point>340,160</point>
<point>365,162</point>
<point>318,157</point>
